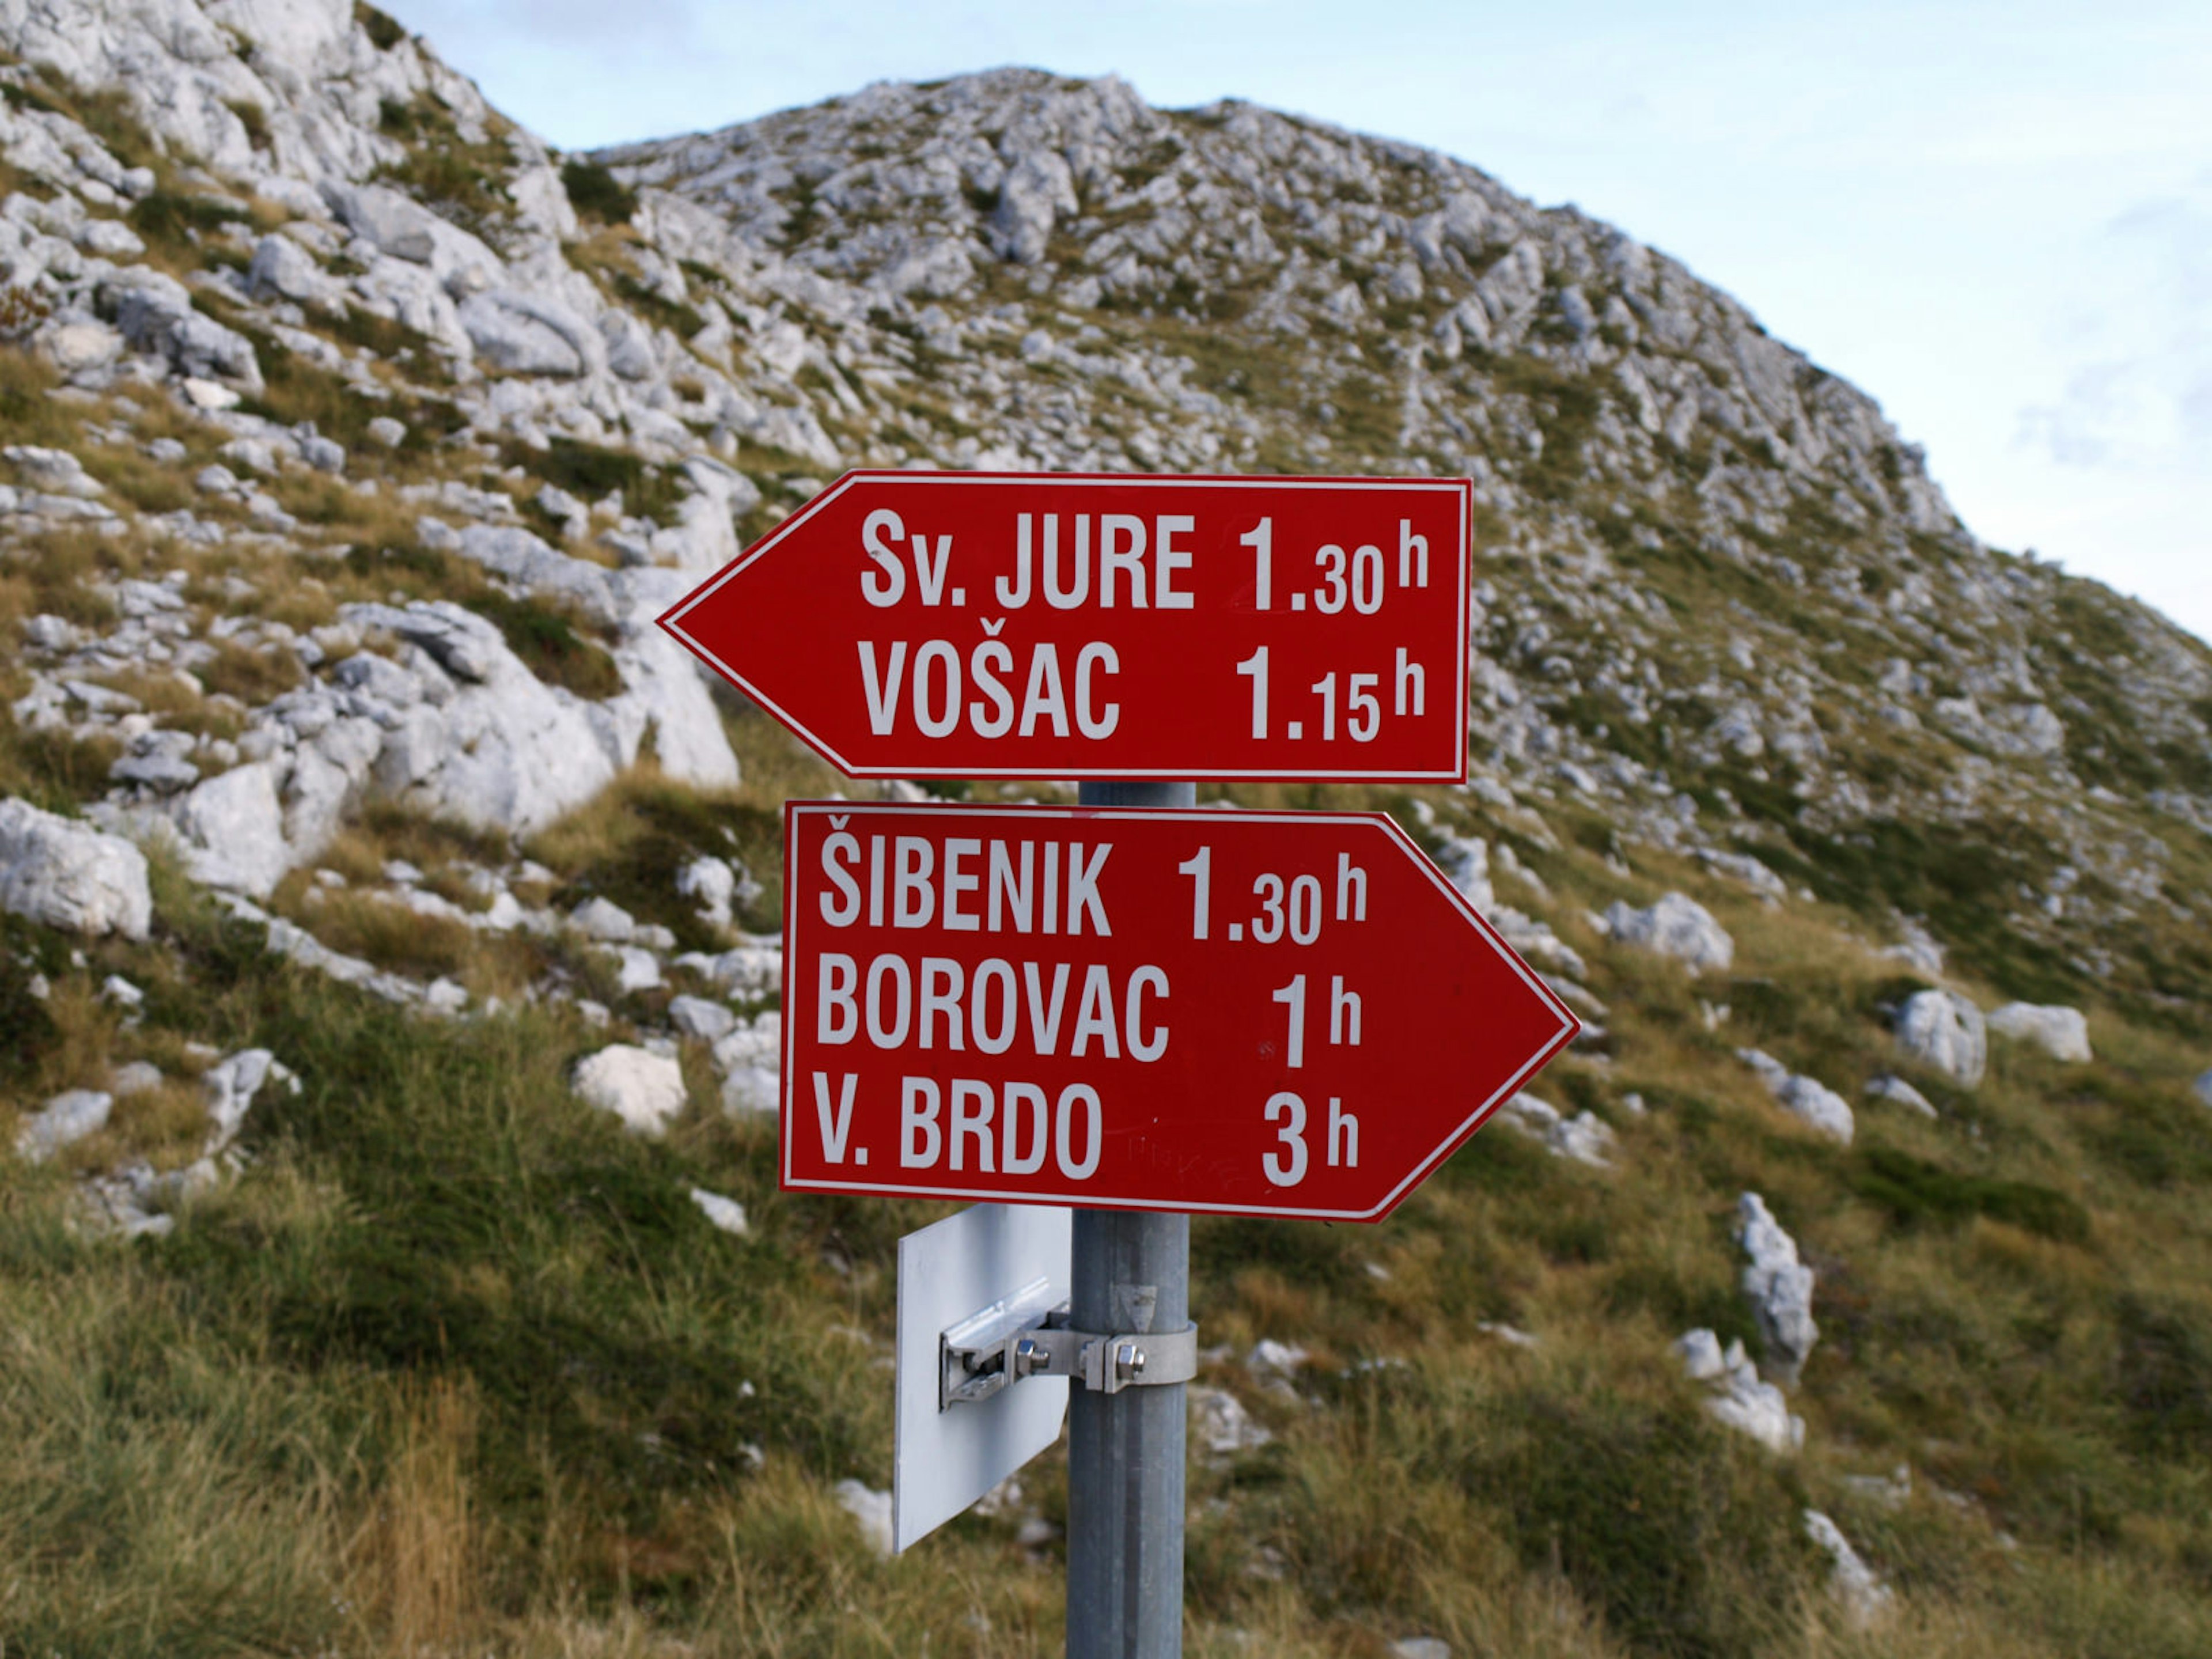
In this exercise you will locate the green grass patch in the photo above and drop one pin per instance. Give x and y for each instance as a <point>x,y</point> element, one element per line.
<point>556,643</point>
<point>1917,1191</point>
<point>596,193</point>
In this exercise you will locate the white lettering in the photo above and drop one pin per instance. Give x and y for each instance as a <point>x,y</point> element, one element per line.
<point>882,691</point>
<point>1168,558</point>
<point>937,725</point>
<point>834,1128</point>
<point>935,972</point>
<point>994,1040</point>
<point>1095,1018</point>
<point>839,1019</point>
<point>1145,1047</point>
<point>1083,890</point>
<point>1031,1159</point>
<point>886,584</point>
<point>957,849</point>
<point>1044,695</point>
<point>971,1124</point>
<point>988,662</point>
<point>918,1109</point>
<point>894,970</point>
<point>1077,1094</point>
<point>1128,558</point>
<point>1094,722</point>
<point>844,845</point>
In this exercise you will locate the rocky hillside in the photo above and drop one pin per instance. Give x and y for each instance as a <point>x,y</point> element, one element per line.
<point>388,1012</point>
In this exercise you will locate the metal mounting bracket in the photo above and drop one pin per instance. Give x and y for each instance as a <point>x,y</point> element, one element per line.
<point>1004,1343</point>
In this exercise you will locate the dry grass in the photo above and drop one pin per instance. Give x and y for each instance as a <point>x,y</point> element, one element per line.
<point>415,1561</point>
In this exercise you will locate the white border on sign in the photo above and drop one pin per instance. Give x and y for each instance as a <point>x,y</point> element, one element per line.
<point>671,620</point>
<point>1569,1024</point>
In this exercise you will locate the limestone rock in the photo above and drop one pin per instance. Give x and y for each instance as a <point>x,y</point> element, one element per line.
<point>1865,1599</point>
<point>1778,1286</point>
<point>1699,1352</point>
<point>155,313</point>
<point>726,1213</point>
<point>1739,1398</point>
<point>1942,1029</point>
<point>1586,1138</point>
<point>62,873</point>
<point>1802,1097</point>
<point>695,1016</point>
<point>872,1510</point>
<point>232,1085</point>
<point>506,751</point>
<point>232,827</point>
<point>62,1121</point>
<point>1890,1087</point>
<point>714,884</point>
<point>1221,1425</point>
<point>1676,925</point>
<point>281,267</point>
<point>750,1060</point>
<point>643,1088</point>
<point>2062,1033</point>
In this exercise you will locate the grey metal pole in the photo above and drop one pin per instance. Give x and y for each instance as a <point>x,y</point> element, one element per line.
<point>1125,1456</point>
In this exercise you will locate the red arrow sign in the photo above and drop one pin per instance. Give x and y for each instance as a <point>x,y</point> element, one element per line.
<point>1287,1014</point>
<point>979,625</point>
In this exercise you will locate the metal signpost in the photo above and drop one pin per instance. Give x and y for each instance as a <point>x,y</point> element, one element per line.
<point>1140,1012</point>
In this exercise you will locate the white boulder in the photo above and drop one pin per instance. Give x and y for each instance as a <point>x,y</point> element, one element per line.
<point>156,314</point>
<point>713,884</point>
<point>231,1087</point>
<point>695,1016</point>
<point>233,826</point>
<point>1802,1097</point>
<point>1739,1398</point>
<point>1586,1138</point>
<point>62,1121</point>
<point>1864,1598</point>
<point>1890,1087</point>
<point>750,1060</point>
<point>1221,1424</point>
<point>1942,1029</point>
<point>603,920</point>
<point>2202,1087</point>
<point>643,1088</point>
<point>62,873</point>
<point>504,750</point>
<point>1676,925</point>
<point>726,1213</point>
<point>2062,1033</point>
<point>1778,1286</point>
<point>872,1510</point>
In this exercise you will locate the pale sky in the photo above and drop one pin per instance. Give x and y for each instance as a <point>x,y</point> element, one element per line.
<point>1994,218</point>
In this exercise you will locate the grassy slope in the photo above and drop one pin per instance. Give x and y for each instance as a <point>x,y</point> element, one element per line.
<point>456,1366</point>
<point>456,1362</point>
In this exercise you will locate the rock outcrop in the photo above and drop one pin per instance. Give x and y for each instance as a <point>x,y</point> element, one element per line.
<point>1675,925</point>
<point>1943,1030</point>
<point>1779,1287</point>
<point>68,875</point>
<point>2062,1033</point>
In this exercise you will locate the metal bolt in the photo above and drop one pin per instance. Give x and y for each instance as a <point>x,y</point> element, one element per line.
<point>1027,1354</point>
<point>1128,1361</point>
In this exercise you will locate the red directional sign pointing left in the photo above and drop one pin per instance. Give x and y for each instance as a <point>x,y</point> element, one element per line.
<point>992,625</point>
<point>1285,1014</point>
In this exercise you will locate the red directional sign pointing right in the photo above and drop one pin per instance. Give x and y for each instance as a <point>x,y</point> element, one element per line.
<point>1286,1014</point>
